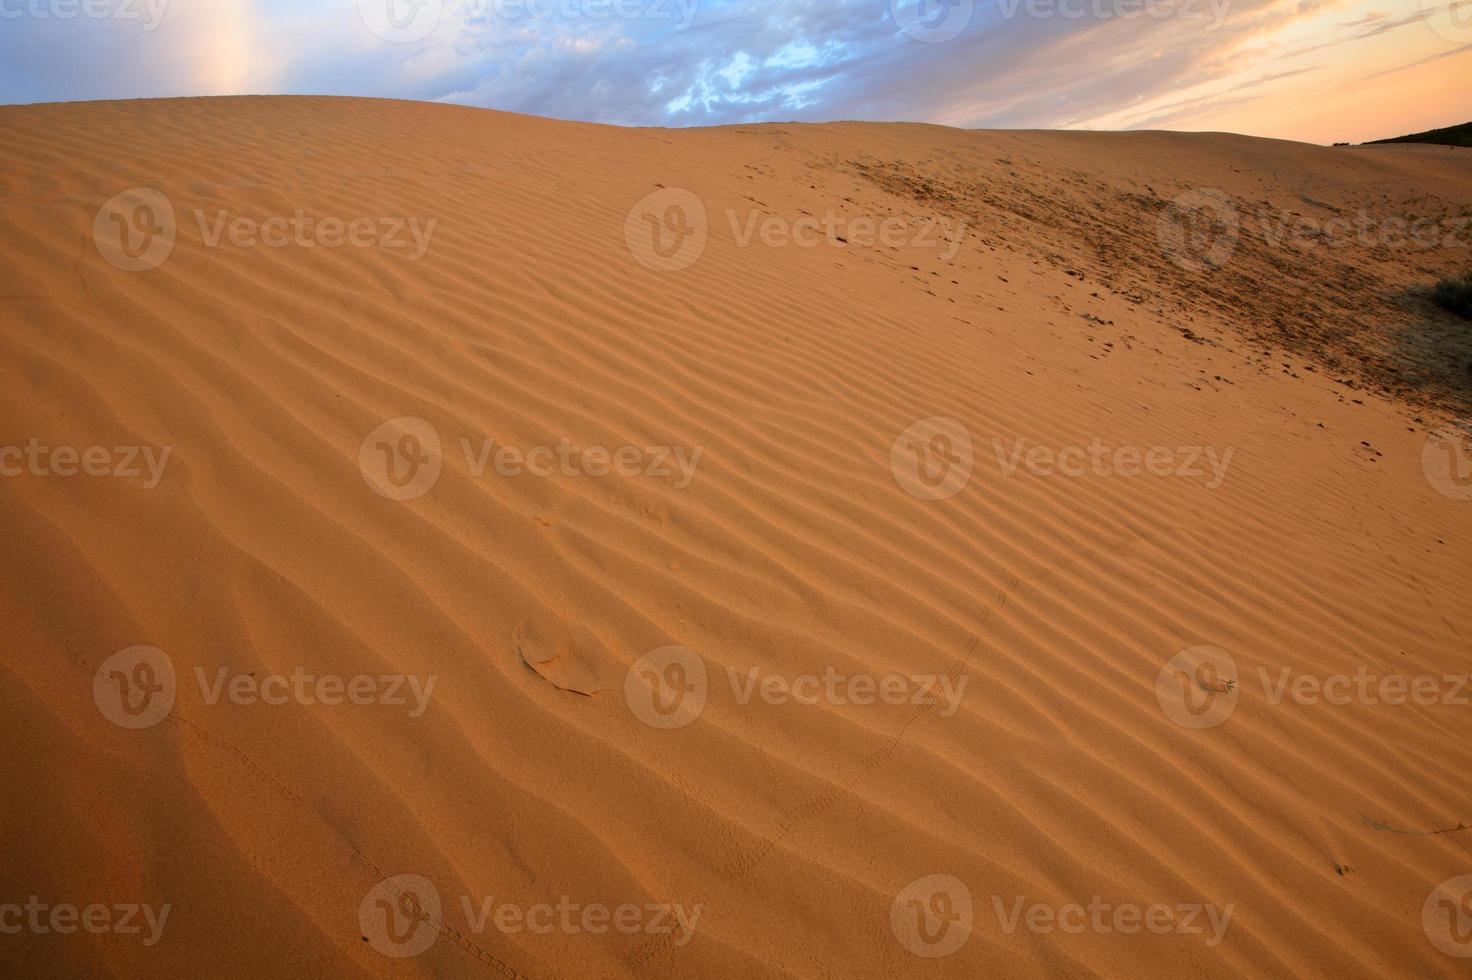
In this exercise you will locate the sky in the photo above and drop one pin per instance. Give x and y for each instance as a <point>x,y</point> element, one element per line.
<point>1314,70</point>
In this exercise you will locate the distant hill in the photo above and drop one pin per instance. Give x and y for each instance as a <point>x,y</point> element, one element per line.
<point>1450,136</point>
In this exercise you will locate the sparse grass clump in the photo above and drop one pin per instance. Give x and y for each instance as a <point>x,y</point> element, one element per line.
<point>1456,295</point>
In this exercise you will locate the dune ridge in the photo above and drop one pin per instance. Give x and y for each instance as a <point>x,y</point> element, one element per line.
<point>794,549</point>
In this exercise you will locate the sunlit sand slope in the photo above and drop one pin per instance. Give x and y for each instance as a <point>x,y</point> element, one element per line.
<point>1043,523</point>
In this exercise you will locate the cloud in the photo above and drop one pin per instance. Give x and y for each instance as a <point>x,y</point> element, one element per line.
<point>1436,57</point>
<point>1186,108</point>
<point>1016,63</point>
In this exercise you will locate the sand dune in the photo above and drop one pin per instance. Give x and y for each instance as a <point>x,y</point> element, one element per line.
<point>768,493</point>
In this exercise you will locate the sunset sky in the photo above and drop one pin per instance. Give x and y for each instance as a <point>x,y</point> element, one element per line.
<point>1314,70</point>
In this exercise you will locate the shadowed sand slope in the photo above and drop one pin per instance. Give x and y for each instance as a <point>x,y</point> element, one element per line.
<point>931,532</point>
